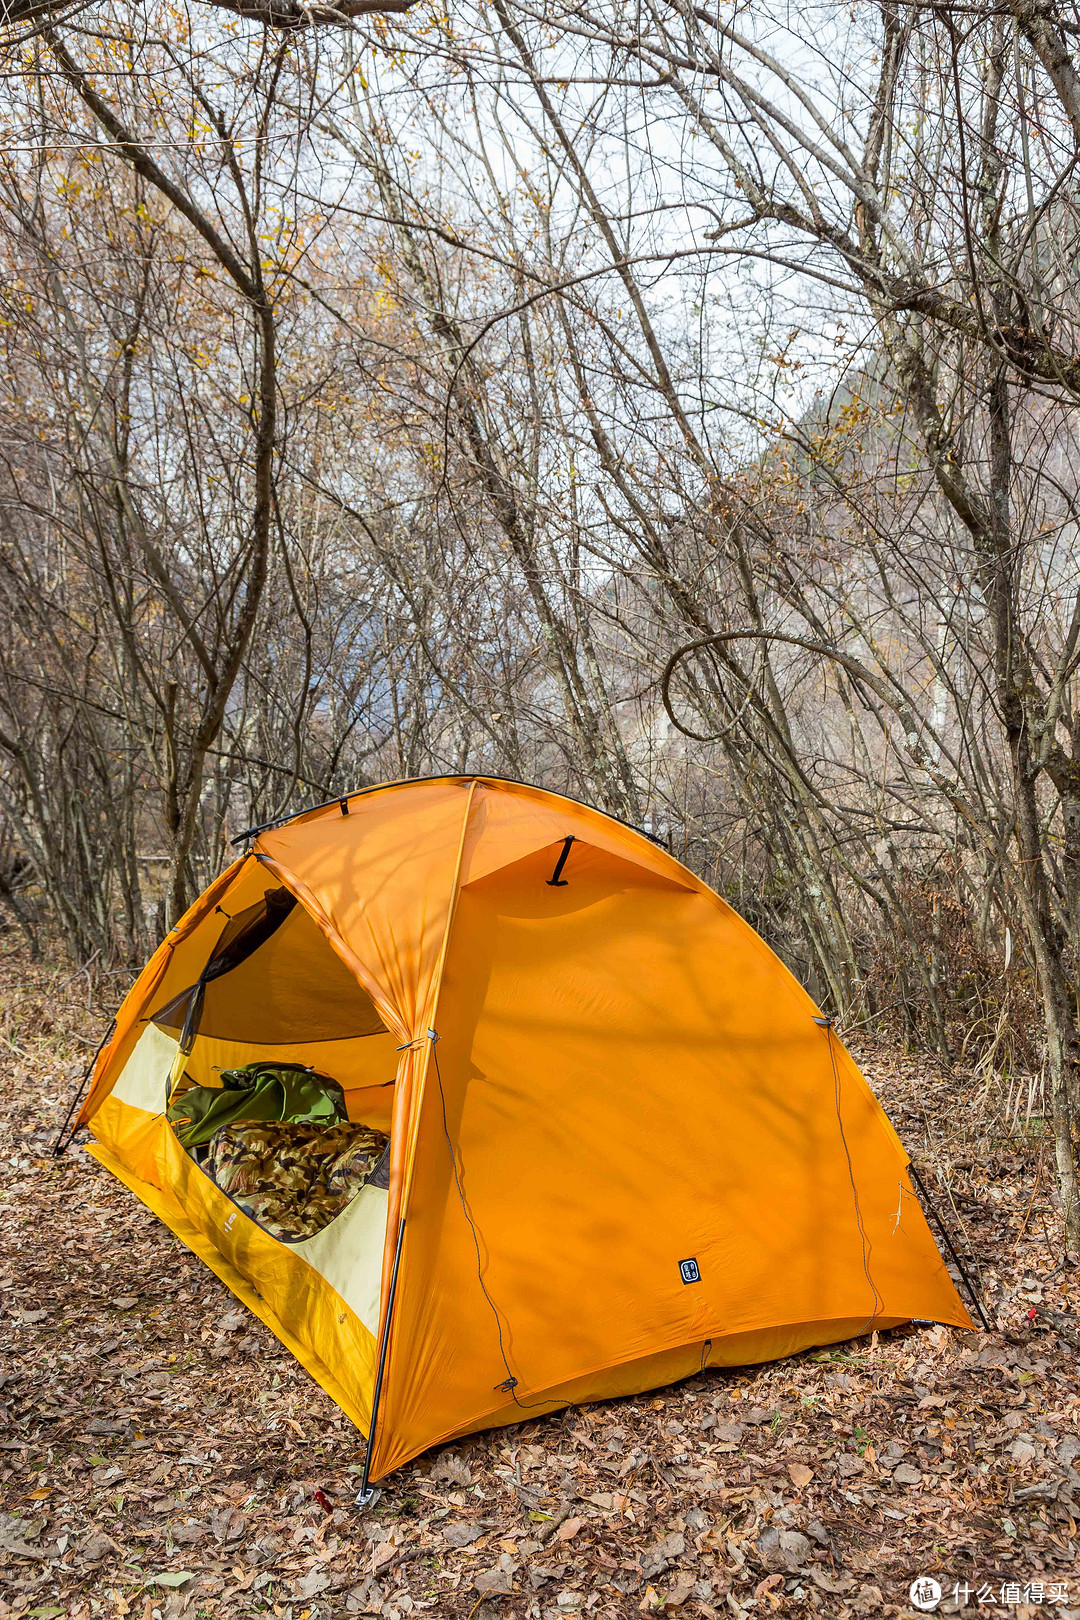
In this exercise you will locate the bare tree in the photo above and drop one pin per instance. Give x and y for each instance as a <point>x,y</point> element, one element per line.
<point>398,393</point>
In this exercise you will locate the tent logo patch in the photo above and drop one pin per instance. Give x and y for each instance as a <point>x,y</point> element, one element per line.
<point>689,1271</point>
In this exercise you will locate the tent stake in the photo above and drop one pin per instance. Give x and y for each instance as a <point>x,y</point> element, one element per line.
<point>367,1492</point>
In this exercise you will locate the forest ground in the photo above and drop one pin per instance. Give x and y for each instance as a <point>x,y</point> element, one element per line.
<point>162,1456</point>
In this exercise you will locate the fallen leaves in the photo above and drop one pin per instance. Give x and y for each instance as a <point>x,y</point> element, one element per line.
<point>783,1549</point>
<point>491,1581</point>
<point>461,1535</point>
<point>679,1591</point>
<point>315,1581</point>
<point>226,1525</point>
<point>175,1457</point>
<point>451,1470</point>
<point>381,1555</point>
<point>13,1542</point>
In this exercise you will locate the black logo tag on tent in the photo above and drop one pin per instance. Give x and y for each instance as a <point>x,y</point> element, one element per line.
<point>688,1271</point>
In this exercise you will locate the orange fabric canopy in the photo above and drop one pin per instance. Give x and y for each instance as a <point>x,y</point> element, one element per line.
<point>624,1146</point>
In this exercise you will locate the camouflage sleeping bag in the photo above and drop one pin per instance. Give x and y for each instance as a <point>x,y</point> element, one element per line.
<point>293,1179</point>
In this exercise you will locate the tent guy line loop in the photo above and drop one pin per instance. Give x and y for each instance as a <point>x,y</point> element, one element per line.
<point>509,1385</point>
<point>826,1021</point>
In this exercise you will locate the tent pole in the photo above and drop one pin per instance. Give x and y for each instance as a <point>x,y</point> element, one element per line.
<point>976,1300</point>
<point>377,787</point>
<point>60,1146</point>
<point>366,1493</point>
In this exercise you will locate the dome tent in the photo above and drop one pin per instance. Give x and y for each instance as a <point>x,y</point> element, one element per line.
<point>624,1145</point>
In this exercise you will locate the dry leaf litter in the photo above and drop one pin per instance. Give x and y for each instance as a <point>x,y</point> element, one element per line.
<point>164,1458</point>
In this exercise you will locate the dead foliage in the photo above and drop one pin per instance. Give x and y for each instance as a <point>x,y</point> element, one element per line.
<point>163,1457</point>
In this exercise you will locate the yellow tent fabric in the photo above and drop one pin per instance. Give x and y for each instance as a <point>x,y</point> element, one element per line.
<point>624,1144</point>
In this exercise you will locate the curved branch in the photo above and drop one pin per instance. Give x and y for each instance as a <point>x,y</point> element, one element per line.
<point>915,726</point>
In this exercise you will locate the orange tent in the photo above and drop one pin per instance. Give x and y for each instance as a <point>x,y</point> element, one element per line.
<point>624,1144</point>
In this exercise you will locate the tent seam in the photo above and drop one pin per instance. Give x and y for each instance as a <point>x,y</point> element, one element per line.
<point>397,1225</point>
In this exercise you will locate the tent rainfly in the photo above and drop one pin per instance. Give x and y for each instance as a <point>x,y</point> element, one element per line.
<point>624,1145</point>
